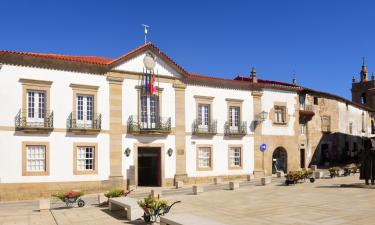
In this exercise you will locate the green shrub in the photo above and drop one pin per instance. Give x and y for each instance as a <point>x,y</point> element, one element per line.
<point>114,193</point>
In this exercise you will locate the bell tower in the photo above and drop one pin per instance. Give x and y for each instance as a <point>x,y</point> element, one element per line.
<point>363,91</point>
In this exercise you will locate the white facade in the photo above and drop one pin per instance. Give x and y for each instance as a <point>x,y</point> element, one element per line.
<point>173,81</point>
<point>61,142</point>
<point>353,120</point>
<point>269,99</point>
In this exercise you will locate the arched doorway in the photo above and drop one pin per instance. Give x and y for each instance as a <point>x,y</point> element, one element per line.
<point>279,160</point>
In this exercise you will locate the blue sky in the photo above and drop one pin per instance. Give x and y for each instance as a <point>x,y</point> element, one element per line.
<point>323,41</point>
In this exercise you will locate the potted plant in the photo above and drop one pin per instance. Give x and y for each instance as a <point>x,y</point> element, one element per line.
<point>71,197</point>
<point>334,171</point>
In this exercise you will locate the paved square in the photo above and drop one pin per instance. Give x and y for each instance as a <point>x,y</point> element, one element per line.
<point>323,202</point>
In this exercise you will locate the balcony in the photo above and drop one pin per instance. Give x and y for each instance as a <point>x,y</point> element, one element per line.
<point>239,131</point>
<point>306,111</point>
<point>150,126</point>
<point>34,125</point>
<point>84,124</point>
<point>205,130</point>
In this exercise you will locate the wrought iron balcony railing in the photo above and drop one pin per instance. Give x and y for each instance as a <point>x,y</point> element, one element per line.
<point>25,123</point>
<point>240,130</point>
<point>208,129</point>
<point>84,123</point>
<point>152,125</point>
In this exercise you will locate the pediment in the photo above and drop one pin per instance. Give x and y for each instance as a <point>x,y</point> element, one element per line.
<point>135,63</point>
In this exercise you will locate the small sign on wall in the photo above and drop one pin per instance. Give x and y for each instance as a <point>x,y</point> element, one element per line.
<point>263,147</point>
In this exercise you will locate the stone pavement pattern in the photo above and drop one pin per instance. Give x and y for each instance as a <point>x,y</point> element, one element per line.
<point>323,202</point>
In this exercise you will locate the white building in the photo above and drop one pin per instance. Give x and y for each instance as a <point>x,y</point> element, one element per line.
<point>88,122</point>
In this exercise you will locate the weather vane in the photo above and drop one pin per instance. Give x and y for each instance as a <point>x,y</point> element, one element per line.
<point>145,31</point>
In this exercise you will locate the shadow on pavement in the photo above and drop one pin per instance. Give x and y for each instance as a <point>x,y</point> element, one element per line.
<point>121,216</point>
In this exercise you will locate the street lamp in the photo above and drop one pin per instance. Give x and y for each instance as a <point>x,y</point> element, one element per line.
<point>170,152</point>
<point>127,152</point>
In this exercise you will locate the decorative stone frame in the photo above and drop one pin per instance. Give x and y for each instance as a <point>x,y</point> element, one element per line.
<point>35,85</point>
<point>85,144</point>
<point>79,89</point>
<point>162,160</point>
<point>197,158</point>
<point>159,93</point>
<point>241,159</point>
<point>286,115</point>
<point>24,159</point>
<point>206,100</point>
<point>234,103</point>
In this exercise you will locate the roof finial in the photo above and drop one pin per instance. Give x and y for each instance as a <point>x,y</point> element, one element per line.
<point>294,80</point>
<point>353,79</point>
<point>145,31</point>
<point>253,75</point>
<point>364,72</point>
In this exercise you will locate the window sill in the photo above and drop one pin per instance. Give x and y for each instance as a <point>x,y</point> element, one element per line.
<point>204,168</point>
<point>280,123</point>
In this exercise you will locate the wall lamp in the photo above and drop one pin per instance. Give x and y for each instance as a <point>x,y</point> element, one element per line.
<point>261,117</point>
<point>127,152</point>
<point>170,152</point>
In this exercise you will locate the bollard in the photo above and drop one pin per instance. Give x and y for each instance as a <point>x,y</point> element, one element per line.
<point>179,184</point>
<point>265,180</point>
<point>156,193</point>
<point>197,189</point>
<point>233,185</point>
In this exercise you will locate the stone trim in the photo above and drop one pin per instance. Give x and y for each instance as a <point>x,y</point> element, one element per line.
<point>162,159</point>
<point>234,100</point>
<point>83,86</point>
<point>241,159</point>
<point>24,159</point>
<point>85,90</point>
<point>203,98</point>
<point>35,85</point>
<point>284,106</point>
<point>115,127</point>
<point>159,93</point>
<point>211,158</point>
<point>235,103</point>
<point>75,148</point>
<point>180,132</point>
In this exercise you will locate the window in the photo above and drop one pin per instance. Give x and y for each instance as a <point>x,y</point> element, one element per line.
<point>363,122</point>
<point>302,127</point>
<point>302,102</point>
<point>363,98</point>
<point>85,158</point>
<point>234,117</point>
<point>149,111</point>
<point>280,116</point>
<point>326,124</point>
<point>204,157</point>
<point>36,106</point>
<point>372,127</point>
<point>350,128</point>
<point>316,101</point>
<point>203,115</point>
<point>35,158</point>
<point>235,157</point>
<point>85,109</point>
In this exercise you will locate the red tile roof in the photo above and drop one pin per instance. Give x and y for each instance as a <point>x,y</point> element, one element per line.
<point>82,59</point>
<point>261,81</point>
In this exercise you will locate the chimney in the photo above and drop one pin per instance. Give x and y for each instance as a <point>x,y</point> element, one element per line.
<point>253,75</point>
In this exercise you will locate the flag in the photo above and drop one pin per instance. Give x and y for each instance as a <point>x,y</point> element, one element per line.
<point>153,83</point>
<point>146,83</point>
<point>150,88</point>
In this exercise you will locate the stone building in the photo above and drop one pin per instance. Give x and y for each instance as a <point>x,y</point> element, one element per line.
<point>94,123</point>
